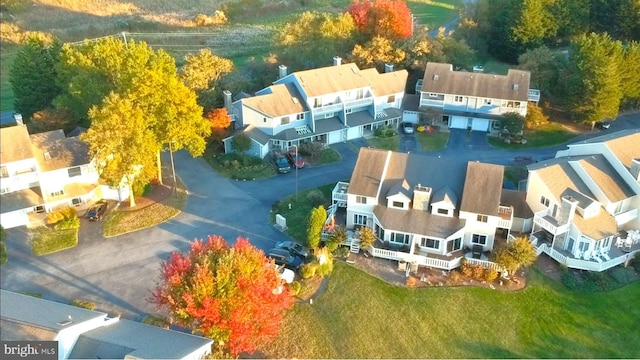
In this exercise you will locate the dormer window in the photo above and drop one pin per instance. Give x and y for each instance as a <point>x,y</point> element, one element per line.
<point>397,204</point>
<point>443,211</point>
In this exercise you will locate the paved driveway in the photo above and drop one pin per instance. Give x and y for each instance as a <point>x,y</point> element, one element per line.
<point>117,273</point>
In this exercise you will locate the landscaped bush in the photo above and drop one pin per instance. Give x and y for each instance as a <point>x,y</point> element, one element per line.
<point>307,271</point>
<point>478,272</point>
<point>466,268</point>
<point>342,252</point>
<point>89,305</point>
<point>623,275</point>
<point>311,149</point>
<point>64,219</point>
<point>454,276</point>
<point>337,237</point>
<point>385,131</point>
<point>316,198</point>
<point>636,262</point>
<point>412,282</point>
<point>295,288</point>
<point>490,274</point>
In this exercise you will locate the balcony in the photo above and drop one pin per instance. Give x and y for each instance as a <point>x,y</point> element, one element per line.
<point>339,194</point>
<point>506,217</point>
<point>549,223</point>
<point>432,103</point>
<point>534,95</point>
<point>358,103</point>
<point>331,108</point>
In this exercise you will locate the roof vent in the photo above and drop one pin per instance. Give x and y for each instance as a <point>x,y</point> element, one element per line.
<point>295,101</point>
<point>436,77</point>
<point>515,86</point>
<point>47,155</point>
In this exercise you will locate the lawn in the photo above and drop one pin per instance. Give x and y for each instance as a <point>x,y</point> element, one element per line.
<point>547,135</point>
<point>432,142</point>
<point>46,240</point>
<point>300,209</point>
<point>360,316</point>
<point>238,166</point>
<point>122,222</point>
<point>3,248</point>
<point>385,143</point>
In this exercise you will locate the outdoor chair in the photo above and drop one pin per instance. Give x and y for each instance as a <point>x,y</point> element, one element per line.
<point>476,253</point>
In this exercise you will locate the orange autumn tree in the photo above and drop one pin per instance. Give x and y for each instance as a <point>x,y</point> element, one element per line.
<point>220,121</point>
<point>391,19</point>
<point>226,293</point>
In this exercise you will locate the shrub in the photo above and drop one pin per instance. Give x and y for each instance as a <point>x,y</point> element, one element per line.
<point>367,237</point>
<point>478,272</point>
<point>316,198</point>
<point>89,305</point>
<point>342,252</point>
<point>622,275</point>
<point>67,224</point>
<point>466,268</point>
<point>63,219</point>
<point>307,271</point>
<point>325,262</point>
<point>311,149</point>
<point>490,274</point>
<point>295,288</point>
<point>454,276</point>
<point>412,281</point>
<point>336,238</point>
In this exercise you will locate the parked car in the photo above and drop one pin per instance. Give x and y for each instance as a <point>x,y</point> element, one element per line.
<point>605,124</point>
<point>97,211</point>
<point>281,162</point>
<point>295,159</point>
<point>294,248</point>
<point>285,258</point>
<point>407,128</point>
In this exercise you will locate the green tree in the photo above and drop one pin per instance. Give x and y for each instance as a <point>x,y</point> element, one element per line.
<point>202,72</point>
<point>631,75</point>
<point>619,18</point>
<point>377,52</point>
<point>535,117</point>
<point>148,78</point>
<point>33,76</point>
<point>513,122</point>
<point>241,143</point>
<point>572,17</point>
<point>595,77</point>
<point>544,65</point>
<point>337,237</point>
<point>313,39</point>
<point>515,255</point>
<point>315,224</point>
<point>231,294</point>
<point>367,237</point>
<point>122,148</point>
<point>536,24</point>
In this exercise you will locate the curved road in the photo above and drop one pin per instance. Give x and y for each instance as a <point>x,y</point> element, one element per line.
<point>118,273</point>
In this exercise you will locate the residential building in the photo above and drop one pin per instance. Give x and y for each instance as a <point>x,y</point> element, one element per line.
<point>426,210</point>
<point>88,334</point>
<point>586,202</point>
<point>328,105</point>
<point>474,100</point>
<point>45,171</point>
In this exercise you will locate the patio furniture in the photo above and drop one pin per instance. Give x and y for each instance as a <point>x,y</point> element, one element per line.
<point>578,254</point>
<point>586,255</point>
<point>619,242</point>
<point>605,255</point>
<point>476,253</point>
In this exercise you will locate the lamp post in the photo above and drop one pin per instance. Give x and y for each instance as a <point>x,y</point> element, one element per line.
<point>173,168</point>
<point>295,164</point>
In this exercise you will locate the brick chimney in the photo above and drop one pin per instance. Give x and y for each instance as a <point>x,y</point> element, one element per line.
<point>421,197</point>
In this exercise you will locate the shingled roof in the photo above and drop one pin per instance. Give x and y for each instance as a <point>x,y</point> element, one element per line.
<point>54,151</point>
<point>277,100</point>
<point>440,78</point>
<point>15,144</point>
<point>482,188</point>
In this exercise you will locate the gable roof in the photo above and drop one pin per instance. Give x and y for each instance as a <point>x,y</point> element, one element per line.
<point>333,79</point>
<point>277,100</point>
<point>15,144</point>
<point>418,222</point>
<point>596,227</point>
<point>401,187</point>
<point>606,178</point>
<point>62,152</point>
<point>560,177</point>
<point>482,188</point>
<point>625,147</point>
<point>440,78</point>
<point>368,171</point>
<point>517,199</point>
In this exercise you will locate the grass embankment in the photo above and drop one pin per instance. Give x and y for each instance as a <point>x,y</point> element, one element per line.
<point>360,316</point>
<point>122,222</point>
<point>546,135</point>
<point>46,240</point>
<point>301,207</point>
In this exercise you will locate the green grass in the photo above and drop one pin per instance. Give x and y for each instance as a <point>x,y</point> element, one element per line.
<point>156,320</point>
<point>299,213</point>
<point>45,240</point>
<point>547,135</point>
<point>3,248</point>
<point>433,13</point>
<point>385,143</point>
<point>89,305</point>
<point>360,316</point>
<point>6,95</point>
<point>328,156</point>
<point>432,142</point>
<point>237,166</point>
<point>123,222</point>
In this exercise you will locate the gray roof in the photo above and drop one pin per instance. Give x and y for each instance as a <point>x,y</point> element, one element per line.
<point>411,102</point>
<point>401,187</point>
<point>441,79</point>
<point>256,134</point>
<point>364,117</point>
<point>445,194</point>
<point>517,199</point>
<point>21,199</point>
<point>63,152</point>
<point>417,222</point>
<point>482,188</point>
<point>15,144</point>
<point>136,339</point>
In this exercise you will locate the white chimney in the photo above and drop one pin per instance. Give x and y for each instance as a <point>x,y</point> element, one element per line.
<point>337,61</point>
<point>282,71</point>
<point>227,100</point>
<point>567,210</point>
<point>388,68</point>
<point>18,118</point>
<point>421,197</point>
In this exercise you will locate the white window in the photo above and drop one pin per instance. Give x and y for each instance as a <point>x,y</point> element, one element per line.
<point>482,218</point>
<point>459,99</point>
<point>348,110</point>
<point>4,190</point>
<point>361,199</point>
<point>317,102</point>
<point>430,243</point>
<point>544,201</point>
<point>3,172</point>
<point>328,115</point>
<point>399,238</point>
<point>264,119</point>
<point>455,244</point>
<point>443,211</point>
<point>284,120</point>
<point>359,219</point>
<point>57,193</point>
<point>433,95</point>
<point>391,99</point>
<point>487,101</point>
<point>74,171</point>
<point>359,94</point>
<point>300,116</point>
<point>76,201</point>
<point>479,239</point>
<point>397,204</point>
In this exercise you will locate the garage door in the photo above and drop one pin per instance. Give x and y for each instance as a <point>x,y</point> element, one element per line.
<point>458,122</point>
<point>480,125</point>
<point>13,219</point>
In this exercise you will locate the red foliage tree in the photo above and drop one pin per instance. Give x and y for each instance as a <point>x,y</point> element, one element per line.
<point>224,292</point>
<point>387,18</point>
<point>220,121</point>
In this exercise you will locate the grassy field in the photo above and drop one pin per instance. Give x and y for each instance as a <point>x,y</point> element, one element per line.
<point>387,143</point>
<point>360,316</point>
<point>547,135</point>
<point>45,240</point>
<point>432,142</point>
